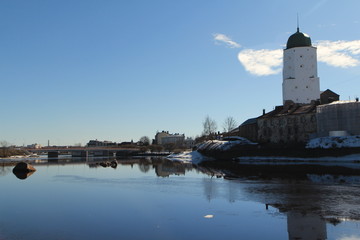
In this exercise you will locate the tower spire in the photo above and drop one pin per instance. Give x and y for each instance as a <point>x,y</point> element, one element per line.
<point>297,16</point>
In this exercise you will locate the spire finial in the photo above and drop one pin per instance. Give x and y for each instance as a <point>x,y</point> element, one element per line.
<point>297,15</point>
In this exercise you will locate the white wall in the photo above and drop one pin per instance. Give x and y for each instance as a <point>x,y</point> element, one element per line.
<point>300,81</point>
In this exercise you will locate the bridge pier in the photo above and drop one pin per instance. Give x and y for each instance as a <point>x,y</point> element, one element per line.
<point>82,154</point>
<point>53,154</point>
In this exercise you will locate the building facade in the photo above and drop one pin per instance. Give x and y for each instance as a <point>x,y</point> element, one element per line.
<point>292,123</point>
<point>164,137</point>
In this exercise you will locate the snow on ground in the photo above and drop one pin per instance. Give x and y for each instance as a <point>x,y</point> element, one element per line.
<point>334,142</point>
<point>224,145</point>
<point>188,157</point>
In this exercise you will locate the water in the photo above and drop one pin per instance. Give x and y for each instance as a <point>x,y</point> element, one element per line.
<point>159,199</point>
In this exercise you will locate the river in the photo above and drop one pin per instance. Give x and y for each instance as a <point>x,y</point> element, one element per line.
<point>159,199</point>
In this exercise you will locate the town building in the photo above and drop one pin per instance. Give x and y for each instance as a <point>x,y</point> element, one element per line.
<point>35,146</point>
<point>164,137</point>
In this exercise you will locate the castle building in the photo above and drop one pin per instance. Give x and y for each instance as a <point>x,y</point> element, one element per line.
<point>306,112</point>
<point>301,83</point>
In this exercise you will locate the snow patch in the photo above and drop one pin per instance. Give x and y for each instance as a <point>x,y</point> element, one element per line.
<point>224,145</point>
<point>334,142</point>
<point>188,157</point>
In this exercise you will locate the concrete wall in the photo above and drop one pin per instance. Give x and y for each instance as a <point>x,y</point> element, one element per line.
<point>340,116</point>
<point>295,128</point>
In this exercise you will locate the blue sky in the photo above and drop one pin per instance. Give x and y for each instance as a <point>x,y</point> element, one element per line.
<point>72,71</point>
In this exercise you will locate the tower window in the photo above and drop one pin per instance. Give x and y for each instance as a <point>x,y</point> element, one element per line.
<point>307,86</point>
<point>301,65</point>
<point>301,56</point>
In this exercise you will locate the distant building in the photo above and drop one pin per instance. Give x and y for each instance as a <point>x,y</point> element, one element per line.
<point>96,143</point>
<point>189,142</point>
<point>35,145</point>
<point>164,137</point>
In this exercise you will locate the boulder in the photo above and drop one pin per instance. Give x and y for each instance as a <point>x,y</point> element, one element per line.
<point>23,170</point>
<point>23,167</point>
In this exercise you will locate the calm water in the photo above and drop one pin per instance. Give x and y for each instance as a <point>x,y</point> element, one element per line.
<point>158,199</point>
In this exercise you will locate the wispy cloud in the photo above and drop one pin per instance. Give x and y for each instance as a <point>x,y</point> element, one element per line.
<point>340,53</point>
<point>350,238</point>
<point>265,62</point>
<point>222,38</point>
<point>261,62</point>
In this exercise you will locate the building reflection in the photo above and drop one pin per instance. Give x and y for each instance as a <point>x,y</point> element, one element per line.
<point>306,226</point>
<point>309,206</point>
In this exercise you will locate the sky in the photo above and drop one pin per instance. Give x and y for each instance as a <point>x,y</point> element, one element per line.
<point>72,71</point>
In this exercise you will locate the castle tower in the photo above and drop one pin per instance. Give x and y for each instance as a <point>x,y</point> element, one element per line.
<point>300,81</point>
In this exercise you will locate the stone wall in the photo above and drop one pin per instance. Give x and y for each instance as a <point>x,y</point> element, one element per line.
<point>296,128</point>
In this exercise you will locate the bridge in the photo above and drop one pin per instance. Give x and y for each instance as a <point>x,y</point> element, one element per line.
<point>54,152</point>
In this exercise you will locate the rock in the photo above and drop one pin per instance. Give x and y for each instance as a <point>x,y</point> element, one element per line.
<point>113,164</point>
<point>23,170</point>
<point>23,167</point>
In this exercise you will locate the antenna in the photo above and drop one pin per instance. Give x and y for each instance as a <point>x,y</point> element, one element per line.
<point>297,16</point>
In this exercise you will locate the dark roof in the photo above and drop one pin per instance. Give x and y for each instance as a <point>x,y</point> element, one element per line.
<point>290,109</point>
<point>249,121</point>
<point>330,92</point>
<point>298,39</point>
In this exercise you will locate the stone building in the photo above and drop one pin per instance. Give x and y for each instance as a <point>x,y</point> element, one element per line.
<point>291,123</point>
<point>249,129</point>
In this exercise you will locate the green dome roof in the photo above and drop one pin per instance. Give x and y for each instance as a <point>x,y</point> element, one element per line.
<point>298,39</point>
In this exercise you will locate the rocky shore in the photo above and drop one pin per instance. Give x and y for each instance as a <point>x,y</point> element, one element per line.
<point>239,147</point>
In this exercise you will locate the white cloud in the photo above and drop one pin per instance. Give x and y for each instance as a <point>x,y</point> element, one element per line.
<point>218,37</point>
<point>265,62</point>
<point>350,238</point>
<point>261,62</point>
<point>339,53</point>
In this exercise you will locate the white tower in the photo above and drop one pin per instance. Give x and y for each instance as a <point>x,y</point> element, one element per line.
<point>300,81</point>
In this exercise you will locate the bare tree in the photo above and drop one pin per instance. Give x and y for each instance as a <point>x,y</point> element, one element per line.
<point>4,144</point>
<point>209,126</point>
<point>5,152</point>
<point>145,140</point>
<point>229,124</point>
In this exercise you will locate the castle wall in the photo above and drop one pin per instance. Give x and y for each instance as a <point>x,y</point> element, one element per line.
<point>295,128</point>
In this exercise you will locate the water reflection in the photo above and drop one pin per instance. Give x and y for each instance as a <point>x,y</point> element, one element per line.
<point>22,175</point>
<point>309,206</point>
